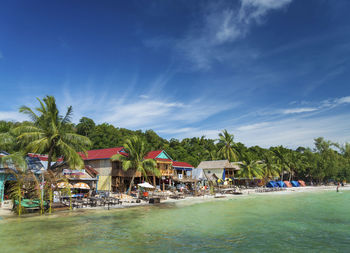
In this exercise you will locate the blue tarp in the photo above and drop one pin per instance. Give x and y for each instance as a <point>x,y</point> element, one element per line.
<point>281,184</point>
<point>272,184</point>
<point>295,183</point>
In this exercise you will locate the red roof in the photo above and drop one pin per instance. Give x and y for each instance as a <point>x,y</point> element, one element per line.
<point>153,154</point>
<point>105,153</point>
<point>182,165</point>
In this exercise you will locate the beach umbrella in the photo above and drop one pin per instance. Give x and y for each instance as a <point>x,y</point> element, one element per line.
<point>146,185</point>
<point>64,185</point>
<point>81,186</point>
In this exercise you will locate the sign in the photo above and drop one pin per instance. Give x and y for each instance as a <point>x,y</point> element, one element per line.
<point>180,176</point>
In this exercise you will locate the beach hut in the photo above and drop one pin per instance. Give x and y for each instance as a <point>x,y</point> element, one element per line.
<point>302,183</point>
<point>220,168</point>
<point>272,184</point>
<point>281,184</point>
<point>295,184</point>
<point>288,184</point>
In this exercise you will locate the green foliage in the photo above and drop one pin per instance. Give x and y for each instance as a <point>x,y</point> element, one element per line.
<point>52,134</point>
<point>136,149</point>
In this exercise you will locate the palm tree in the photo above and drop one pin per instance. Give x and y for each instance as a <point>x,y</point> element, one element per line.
<point>135,147</point>
<point>281,155</point>
<point>212,154</point>
<point>250,168</point>
<point>52,133</point>
<point>269,167</point>
<point>227,150</point>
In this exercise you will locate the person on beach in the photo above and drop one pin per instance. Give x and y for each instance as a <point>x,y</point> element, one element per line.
<point>338,187</point>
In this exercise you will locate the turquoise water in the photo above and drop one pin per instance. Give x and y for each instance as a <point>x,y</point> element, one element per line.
<point>298,222</point>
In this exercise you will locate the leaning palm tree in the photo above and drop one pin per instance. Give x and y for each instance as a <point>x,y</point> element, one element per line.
<point>227,150</point>
<point>136,149</point>
<point>52,134</point>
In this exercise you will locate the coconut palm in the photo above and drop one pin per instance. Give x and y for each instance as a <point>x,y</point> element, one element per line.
<point>24,184</point>
<point>281,156</point>
<point>52,134</point>
<point>270,168</point>
<point>135,147</point>
<point>227,150</point>
<point>212,154</point>
<point>249,168</point>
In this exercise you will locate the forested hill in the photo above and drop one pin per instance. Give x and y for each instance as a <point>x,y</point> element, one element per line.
<point>326,161</point>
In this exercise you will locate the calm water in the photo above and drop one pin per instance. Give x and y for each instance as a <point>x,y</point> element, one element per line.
<point>300,222</point>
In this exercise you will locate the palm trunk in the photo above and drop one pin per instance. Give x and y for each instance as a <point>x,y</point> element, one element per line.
<point>70,199</point>
<point>282,173</point>
<point>20,202</point>
<point>131,183</point>
<point>50,199</point>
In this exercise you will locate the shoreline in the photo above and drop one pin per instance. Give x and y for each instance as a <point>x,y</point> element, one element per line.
<point>8,214</point>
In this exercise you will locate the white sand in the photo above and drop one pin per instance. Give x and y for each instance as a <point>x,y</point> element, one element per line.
<point>5,213</point>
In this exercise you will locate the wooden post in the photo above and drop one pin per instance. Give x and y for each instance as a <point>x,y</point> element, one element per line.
<point>163,186</point>
<point>154,181</point>
<point>195,187</point>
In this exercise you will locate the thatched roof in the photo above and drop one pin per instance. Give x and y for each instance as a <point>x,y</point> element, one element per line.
<point>219,164</point>
<point>236,165</point>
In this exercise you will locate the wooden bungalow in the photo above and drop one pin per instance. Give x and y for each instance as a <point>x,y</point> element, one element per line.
<point>164,164</point>
<point>182,172</point>
<point>219,169</point>
<point>111,176</point>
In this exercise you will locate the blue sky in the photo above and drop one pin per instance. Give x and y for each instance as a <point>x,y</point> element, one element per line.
<point>270,71</point>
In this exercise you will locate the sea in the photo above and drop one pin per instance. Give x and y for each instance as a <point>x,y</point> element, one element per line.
<point>278,222</point>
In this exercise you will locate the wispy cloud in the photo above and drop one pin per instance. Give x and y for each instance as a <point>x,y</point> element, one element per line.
<point>222,24</point>
<point>296,131</point>
<point>318,106</point>
<point>157,109</point>
<point>299,110</point>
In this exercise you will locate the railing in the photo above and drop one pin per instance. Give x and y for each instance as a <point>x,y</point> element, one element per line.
<point>167,172</point>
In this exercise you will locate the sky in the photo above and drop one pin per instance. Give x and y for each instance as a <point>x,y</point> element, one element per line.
<point>271,72</point>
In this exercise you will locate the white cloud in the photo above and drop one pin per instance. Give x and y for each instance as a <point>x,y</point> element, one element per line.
<point>295,132</point>
<point>221,24</point>
<point>135,109</point>
<point>252,126</point>
<point>299,110</point>
<point>343,100</point>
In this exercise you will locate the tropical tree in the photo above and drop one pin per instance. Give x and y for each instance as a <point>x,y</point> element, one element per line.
<point>281,155</point>
<point>52,134</point>
<point>212,154</point>
<point>227,150</point>
<point>249,168</point>
<point>135,147</point>
<point>86,126</point>
<point>269,168</point>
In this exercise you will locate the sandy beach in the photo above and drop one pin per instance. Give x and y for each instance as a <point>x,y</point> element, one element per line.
<point>7,213</point>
